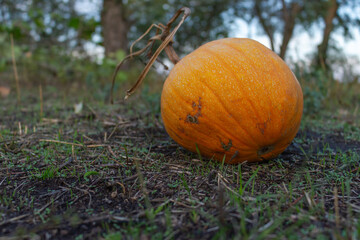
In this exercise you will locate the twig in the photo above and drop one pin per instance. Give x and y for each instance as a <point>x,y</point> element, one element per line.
<point>2,181</point>
<point>93,111</point>
<point>62,142</point>
<point>122,186</point>
<point>131,177</point>
<point>221,204</point>
<point>15,69</point>
<point>66,163</point>
<point>336,206</point>
<point>20,185</point>
<point>309,200</point>
<point>41,101</point>
<point>20,128</point>
<point>88,138</point>
<point>49,203</point>
<point>222,180</point>
<point>142,185</point>
<point>73,152</point>
<point>14,219</point>
<point>114,130</point>
<point>96,145</point>
<point>85,192</point>
<point>296,200</point>
<point>114,155</point>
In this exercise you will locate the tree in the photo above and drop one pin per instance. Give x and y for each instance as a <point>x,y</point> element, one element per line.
<point>115,26</point>
<point>275,18</point>
<point>335,15</point>
<point>290,14</point>
<point>45,23</point>
<point>329,17</point>
<point>205,23</point>
<point>125,21</point>
<point>280,19</point>
<point>49,37</point>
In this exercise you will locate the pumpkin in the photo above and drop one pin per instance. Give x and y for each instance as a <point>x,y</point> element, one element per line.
<point>234,100</point>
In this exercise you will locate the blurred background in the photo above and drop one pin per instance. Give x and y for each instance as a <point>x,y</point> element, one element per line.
<point>73,46</point>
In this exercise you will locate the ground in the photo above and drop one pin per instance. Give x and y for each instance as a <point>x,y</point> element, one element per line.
<point>112,172</point>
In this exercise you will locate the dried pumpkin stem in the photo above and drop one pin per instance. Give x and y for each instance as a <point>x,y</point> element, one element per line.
<point>170,52</point>
<point>119,66</point>
<point>159,27</point>
<point>166,36</point>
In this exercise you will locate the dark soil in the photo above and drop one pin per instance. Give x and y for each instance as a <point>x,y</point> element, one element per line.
<point>111,172</point>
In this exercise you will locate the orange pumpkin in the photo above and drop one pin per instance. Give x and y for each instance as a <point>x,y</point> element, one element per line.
<point>233,99</point>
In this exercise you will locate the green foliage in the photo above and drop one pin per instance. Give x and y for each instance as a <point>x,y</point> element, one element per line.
<point>315,87</point>
<point>41,23</point>
<point>113,236</point>
<point>90,173</point>
<point>55,66</point>
<point>322,92</point>
<point>48,173</point>
<point>51,45</point>
<point>50,41</point>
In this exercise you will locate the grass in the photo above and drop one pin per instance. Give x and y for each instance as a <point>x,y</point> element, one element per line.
<point>112,172</point>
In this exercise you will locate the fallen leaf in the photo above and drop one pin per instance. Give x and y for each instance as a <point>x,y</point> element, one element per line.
<point>78,107</point>
<point>4,91</point>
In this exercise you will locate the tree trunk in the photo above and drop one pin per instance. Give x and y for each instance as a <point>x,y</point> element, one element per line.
<point>289,16</point>
<point>114,26</point>
<point>267,28</point>
<point>329,26</point>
